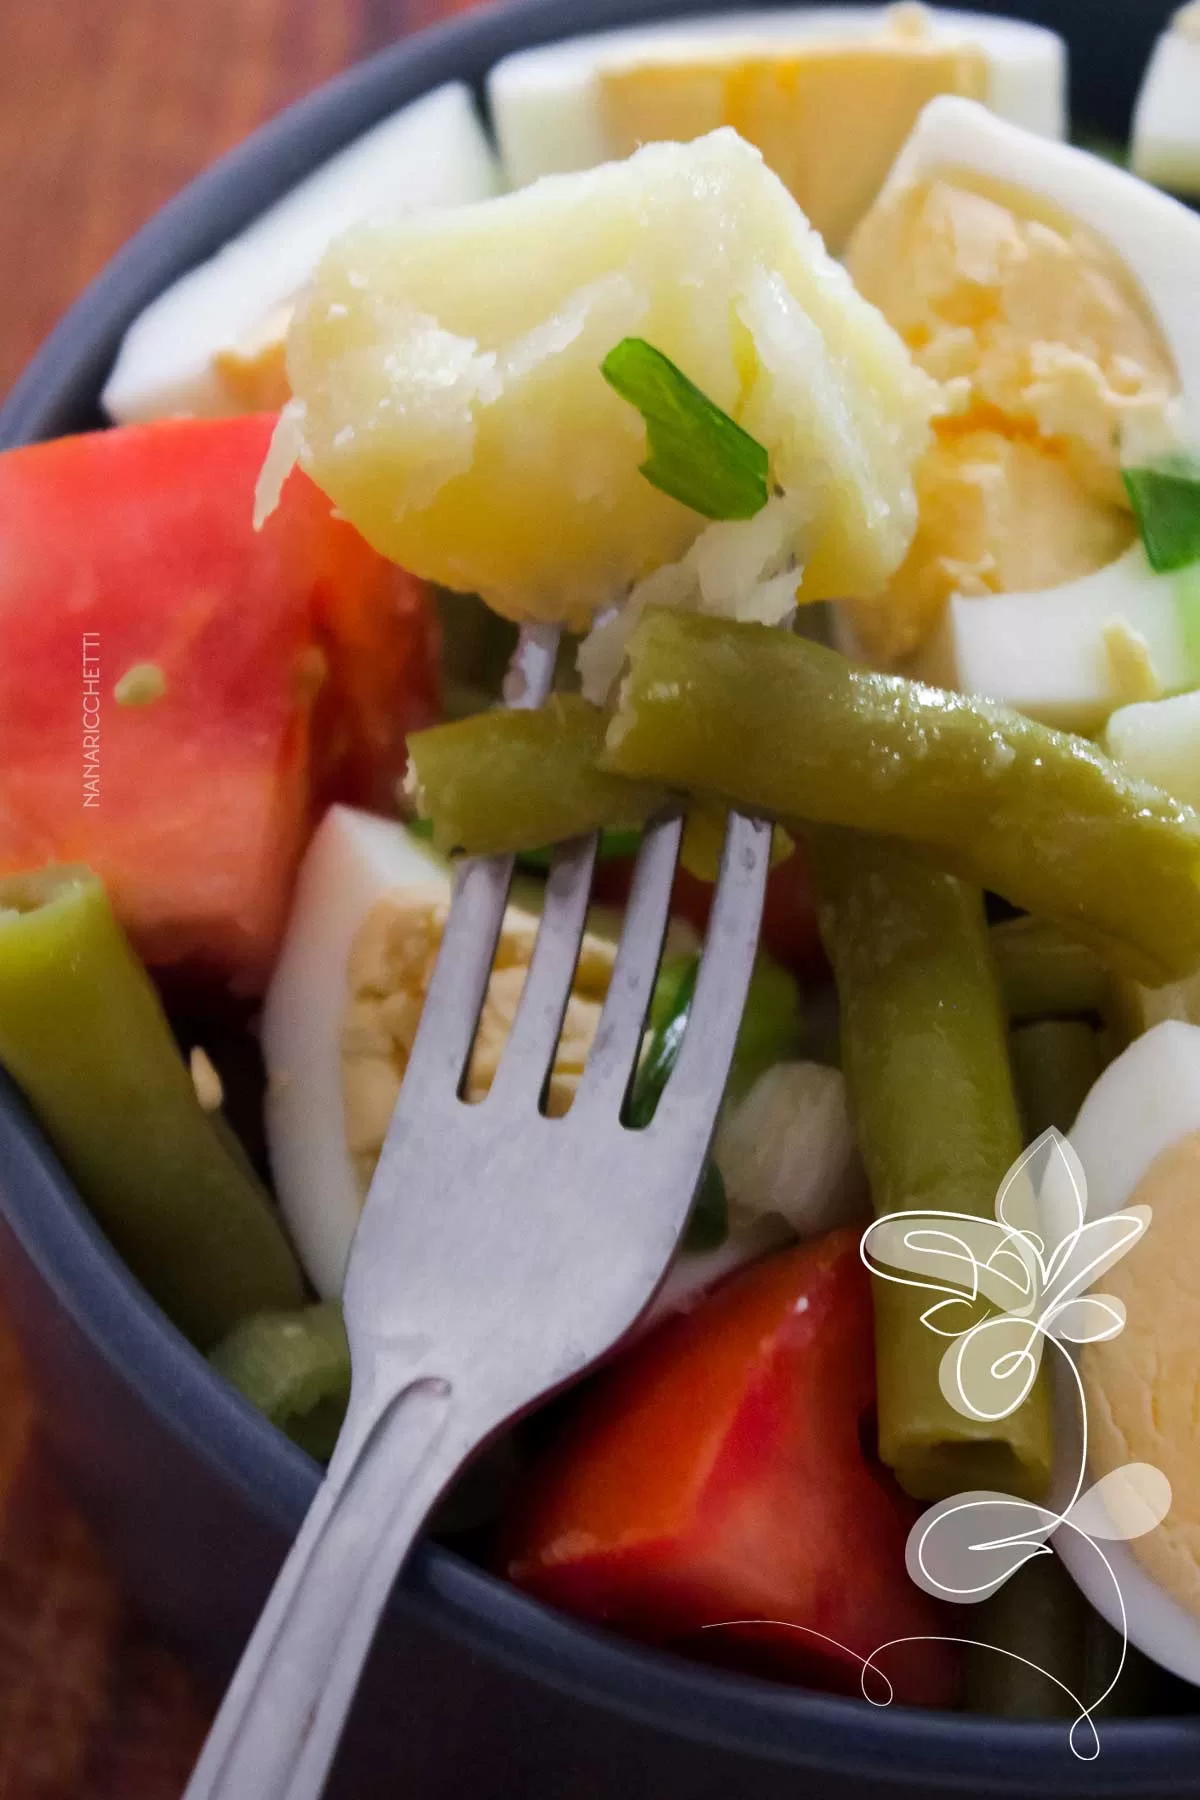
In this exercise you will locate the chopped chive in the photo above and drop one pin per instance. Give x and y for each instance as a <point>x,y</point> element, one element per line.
<point>708,1225</point>
<point>1166,502</point>
<point>698,454</point>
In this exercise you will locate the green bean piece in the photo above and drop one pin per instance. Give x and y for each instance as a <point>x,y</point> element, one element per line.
<point>1055,1063</point>
<point>1044,974</point>
<point>1040,1617</point>
<point>772,1028</point>
<point>931,1095</point>
<point>295,1368</point>
<point>83,1034</point>
<point>505,781</point>
<point>784,727</point>
<point>1038,1621</point>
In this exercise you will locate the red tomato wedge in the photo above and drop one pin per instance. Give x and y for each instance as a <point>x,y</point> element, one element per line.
<point>294,661</point>
<point>717,1473</point>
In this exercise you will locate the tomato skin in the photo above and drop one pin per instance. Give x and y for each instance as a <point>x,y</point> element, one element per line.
<point>137,546</point>
<point>717,1473</point>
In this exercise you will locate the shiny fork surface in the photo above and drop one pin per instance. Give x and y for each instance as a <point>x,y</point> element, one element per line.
<point>500,1254</point>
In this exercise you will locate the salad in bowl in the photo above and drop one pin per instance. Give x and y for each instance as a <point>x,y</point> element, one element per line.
<point>840,418</point>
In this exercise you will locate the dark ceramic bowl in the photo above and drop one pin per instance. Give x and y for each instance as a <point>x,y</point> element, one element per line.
<point>474,1689</point>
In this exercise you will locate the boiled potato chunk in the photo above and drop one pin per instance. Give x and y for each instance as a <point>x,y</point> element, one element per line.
<point>449,399</point>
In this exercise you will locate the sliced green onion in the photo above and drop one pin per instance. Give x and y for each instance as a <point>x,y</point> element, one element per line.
<point>666,1041</point>
<point>708,1226</point>
<point>295,1368</point>
<point>1187,611</point>
<point>697,453</point>
<point>1166,502</point>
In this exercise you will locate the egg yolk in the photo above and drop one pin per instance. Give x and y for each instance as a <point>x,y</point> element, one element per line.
<point>1143,1387</point>
<point>1047,355</point>
<point>829,117</point>
<point>253,371</point>
<point>391,962</point>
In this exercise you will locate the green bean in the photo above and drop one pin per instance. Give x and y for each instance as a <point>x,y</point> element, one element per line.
<point>772,1028</point>
<point>784,727</point>
<point>83,1034</point>
<point>1044,974</point>
<point>926,1065</point>
<point>1055,1063</point>
<point>505,781</point>
<point>1039,1618</point>
<point>295,1368</point>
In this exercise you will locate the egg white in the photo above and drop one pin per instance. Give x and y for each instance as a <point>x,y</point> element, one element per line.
<point>1166,121</point>
<point>432,153</point>
<point>1146,1101</point>
<point>545,107</point>
<point>353,861</point>
<point>1044,652</point>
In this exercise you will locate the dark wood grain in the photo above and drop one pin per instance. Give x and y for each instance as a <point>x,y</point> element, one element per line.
<point>106,108</point>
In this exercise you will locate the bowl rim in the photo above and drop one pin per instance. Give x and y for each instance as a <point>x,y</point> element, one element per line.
<point>57,393</point>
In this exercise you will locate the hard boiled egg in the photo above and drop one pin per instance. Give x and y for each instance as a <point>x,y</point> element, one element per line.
<point>1138,1139</point>
<point>1052,295</point>
<point>828,94</point>
<point>1166,121</point>
<point>342,1010</point>
<point>1160,741</point>
<point>353,861</point>
<point>213,343</point>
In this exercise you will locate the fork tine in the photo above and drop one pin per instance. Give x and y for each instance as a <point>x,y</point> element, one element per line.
<point>455,996</point>
<point>454,1001</point>
<point>528,1055</point>
<point>623,1019</point>
<point>730,947</point>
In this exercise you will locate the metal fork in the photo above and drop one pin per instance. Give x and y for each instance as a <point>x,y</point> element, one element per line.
<point>500,1254</point>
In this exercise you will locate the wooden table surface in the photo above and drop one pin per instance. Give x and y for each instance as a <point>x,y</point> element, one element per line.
<point>106,108</point>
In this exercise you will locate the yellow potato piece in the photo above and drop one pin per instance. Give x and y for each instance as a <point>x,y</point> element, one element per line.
<point>829,118</point>
<point>391,961</point>
<point>446,368</point>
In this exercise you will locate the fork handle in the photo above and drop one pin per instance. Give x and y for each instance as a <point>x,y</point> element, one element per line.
<point>278,1729</point>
